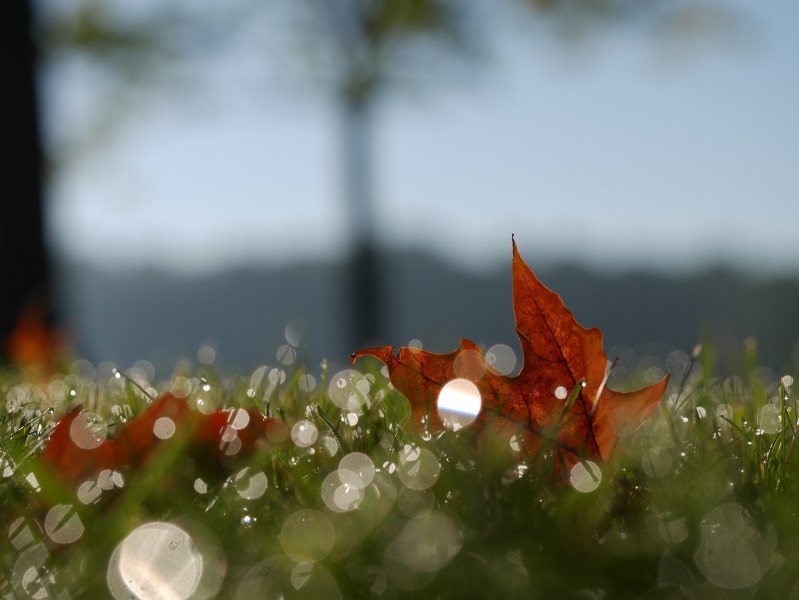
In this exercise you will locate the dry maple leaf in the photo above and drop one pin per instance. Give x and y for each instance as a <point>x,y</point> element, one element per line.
<point>76,451</point>
<point>560,394</point>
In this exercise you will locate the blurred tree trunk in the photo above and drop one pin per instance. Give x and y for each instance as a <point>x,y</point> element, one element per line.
<point>24,264</point>
<point>363,269</point>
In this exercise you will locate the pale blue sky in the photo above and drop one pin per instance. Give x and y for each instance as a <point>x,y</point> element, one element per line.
<point>635,155</point>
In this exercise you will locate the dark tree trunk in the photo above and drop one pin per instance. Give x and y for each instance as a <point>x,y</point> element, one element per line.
<point>364,280</point>
<point>24,265</point>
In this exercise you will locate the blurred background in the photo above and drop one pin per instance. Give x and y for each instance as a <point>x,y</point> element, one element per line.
<point>243,183</point>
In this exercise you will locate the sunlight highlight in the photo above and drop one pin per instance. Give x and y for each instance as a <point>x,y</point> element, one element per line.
<point>459,403</point>
<point>156,560</point>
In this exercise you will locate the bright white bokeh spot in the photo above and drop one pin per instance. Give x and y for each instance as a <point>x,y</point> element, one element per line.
<point>585,476</point>
<point>62,524</point>
<point>501,359</point>
<point>561,393</point>
<point>356,469</point>
<point>306,382</point>
<point>206,354</point>
<point>459,403</point>
<point>250,484</point>
<point>307,534</point>
<point>89,492</point>
<point>238,419</point>
<point>304,433</point>
<point>200,486</point>
<point>164,428</point>
<point>276,377</point>
<point>328,445</point>
<point>86,431</point>
<point>286,354</point>
<point>349,390</point>
<point>340,496</point>
<point>415,345</point>
<point>418,468</point>
<point>787,381</point>
<point>155,561</point>
<point>296,332</point>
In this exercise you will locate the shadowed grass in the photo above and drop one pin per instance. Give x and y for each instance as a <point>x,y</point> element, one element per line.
<point>355,503</point>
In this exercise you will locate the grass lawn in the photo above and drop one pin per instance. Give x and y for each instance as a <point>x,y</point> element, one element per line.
<point>343,498</point>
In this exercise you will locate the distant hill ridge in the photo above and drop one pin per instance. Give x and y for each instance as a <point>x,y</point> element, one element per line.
<point>124,316</point>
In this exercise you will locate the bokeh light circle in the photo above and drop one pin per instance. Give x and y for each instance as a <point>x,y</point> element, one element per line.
<point>304,433</point>
<point>585,476</point>
<point>418,468</point>
<point>86,432</point>
<point>501,359</point>
<point>307,534</point>
<point>283,578</point>
<point>62,524</point>
<point>458,403</point>
<point>156,560</point>
<point>356,469</point>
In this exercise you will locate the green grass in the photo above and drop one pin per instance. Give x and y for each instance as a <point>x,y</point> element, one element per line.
<point>703,503</point>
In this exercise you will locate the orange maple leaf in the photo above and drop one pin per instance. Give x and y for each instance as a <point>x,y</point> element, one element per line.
<point>560,394</point>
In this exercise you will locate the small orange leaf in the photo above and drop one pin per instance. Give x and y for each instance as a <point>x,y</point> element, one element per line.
<point>560,394</point>
<point>75,451</point>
